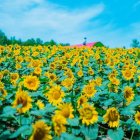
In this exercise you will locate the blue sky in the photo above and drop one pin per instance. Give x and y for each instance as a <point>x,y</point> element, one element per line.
<point>113,22</point>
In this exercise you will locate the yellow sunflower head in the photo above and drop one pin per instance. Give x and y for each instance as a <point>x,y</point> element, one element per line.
<point>98,81</point>
<point>1,75</point>
<point>68,83</point>
<point>40,104</point>
<point>115,81</point>
<point>89,90</point>
<point>66,110</point>
<point>82,100</point>
<point>80,73</point>
<point>90,71</point>
<point>51,76</point>
<point>137,117</point>
<point>14,76</point>
<point>59,123</point>
<point>128,74</point>
<point>88,114</point>
<point>22,98</point>
<point>31,82</point>
<point>18,66</point>
<point>3,92</point>
<point>128,94</point>
<point>37,71</point>
<point>41,131</point>
<point>55,95</point>
<point>112,117</point>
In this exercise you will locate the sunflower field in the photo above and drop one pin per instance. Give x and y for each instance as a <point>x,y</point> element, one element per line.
<point>69,93</point>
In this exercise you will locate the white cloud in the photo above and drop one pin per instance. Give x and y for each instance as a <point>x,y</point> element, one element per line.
<point>29,18</point>
<point>40,18</point>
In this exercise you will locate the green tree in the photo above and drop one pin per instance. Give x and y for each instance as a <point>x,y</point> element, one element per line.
<point>39,41</point>
<point>135,43</point>
<point>30,42</point>
<point>3,38</point>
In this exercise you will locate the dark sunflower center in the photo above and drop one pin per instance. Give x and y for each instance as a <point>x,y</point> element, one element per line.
<point>128,73</point>
<point>14,77</point>
<point>52,77</point>
<point>22,101</point>
<point>113,116</point>
<point>31,83</point>
<point>39,134</point>
<point>81,101</point>
<point>66,112</point>
<point>56,95</point>
<point>127,94</point>
<point>139,118</point>
<point>88,113</point>
<point>2,90</point>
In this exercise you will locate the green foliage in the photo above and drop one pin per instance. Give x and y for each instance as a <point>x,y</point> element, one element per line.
<point>135,43</point>
<point>29,42</point>
<point>90,132</point>
<point>117,134</point>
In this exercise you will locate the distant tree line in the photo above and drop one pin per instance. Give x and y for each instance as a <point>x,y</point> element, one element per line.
<point>135,43</point>
<point>4,40</point>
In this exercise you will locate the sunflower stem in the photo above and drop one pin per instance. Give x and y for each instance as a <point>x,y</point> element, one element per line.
<point>132,135</point>
<point>20,125</point>
<point>16,119</point>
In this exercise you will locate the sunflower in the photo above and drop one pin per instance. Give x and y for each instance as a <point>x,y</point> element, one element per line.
<point>31,82</point>
<point>51,76</point>
<point>41,131</point>
<point>128,94</point>
<point>40,104</point>
<point>2,91</point>
<point>88,114</point>
<point>34,54</point>
<point>14,77</point>
<point>69,74</point>
<point>98,81</point>
<point>24,99</point>
<point>115,81</point>
<point>112,117</point>
<point>89,90</point>
<point>59,123</point>
<point>66,110</point>
<point>112,88</point>
<point>90,71</point>
<point>1,75</point>
<point>80,73</point>
<point>128,74</point>
<point>35,63</point>
<point>82,100</point>
<point>137,117</point>
<point>37,70</point>
<point>55,95</point>
<point>68,83</point>
<point>18,66</point>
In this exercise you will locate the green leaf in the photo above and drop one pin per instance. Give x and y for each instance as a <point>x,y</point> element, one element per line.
<point>5,135</point>
<point>130,107</point>
<point>38,112</point>
<point>76,131</point>
<point>49,108</point>
<point>66,136</point>
<point>90,132</point>
<point>116,134</point>
<point>20,131</point>
<point>8,111</point>
<point>26,121</point>
<point>108,102</point>
<point>73,122</point>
